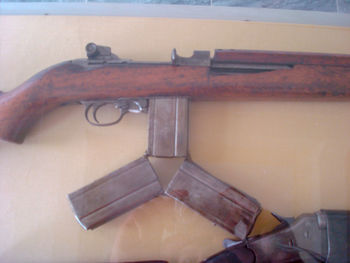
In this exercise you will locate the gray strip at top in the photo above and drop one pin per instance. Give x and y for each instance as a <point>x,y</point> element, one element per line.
<point>178,11</point>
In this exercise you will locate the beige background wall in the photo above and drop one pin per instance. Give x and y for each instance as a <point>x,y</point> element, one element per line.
<point>293,157</point>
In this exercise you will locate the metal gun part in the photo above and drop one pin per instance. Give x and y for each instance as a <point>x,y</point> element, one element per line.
<point>168,127</point>
<point>312,238</point>
<point>98,54</point>
<point>115,194</point>
<point>123,104</point>
<point>217,201</point>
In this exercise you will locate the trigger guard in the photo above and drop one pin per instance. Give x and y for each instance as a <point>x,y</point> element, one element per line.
<point>97,123</point>
<point>86,113</point>
<point>96,108</point>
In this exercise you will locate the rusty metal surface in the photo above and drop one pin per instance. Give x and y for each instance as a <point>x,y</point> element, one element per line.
<point>168,127</point>
<point>115,194</point>
<point>214,199</point>
<point>311,238</point>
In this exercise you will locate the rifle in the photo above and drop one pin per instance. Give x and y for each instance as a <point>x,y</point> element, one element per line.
<point>103,78</point>
<point>320,237</point>
<point>323,236</point>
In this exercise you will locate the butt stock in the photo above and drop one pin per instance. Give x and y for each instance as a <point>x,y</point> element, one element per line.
<point>229,75</point>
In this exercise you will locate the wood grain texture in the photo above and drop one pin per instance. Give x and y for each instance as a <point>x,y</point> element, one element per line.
<point>71,82</point>
<point>274,57</point>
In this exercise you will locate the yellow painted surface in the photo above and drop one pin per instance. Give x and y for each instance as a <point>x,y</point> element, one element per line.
<point>293,157</point>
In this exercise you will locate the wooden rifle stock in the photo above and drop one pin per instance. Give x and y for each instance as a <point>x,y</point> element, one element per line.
<point>228,75</point>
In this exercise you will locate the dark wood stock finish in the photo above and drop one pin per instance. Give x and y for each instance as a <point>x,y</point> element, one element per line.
<point>284,58</point>
<point>71,82</point>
